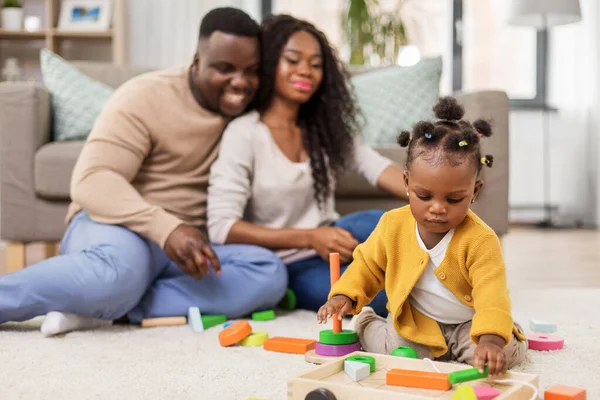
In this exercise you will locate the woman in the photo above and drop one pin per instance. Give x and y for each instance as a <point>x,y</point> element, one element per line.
<point>274,180</point>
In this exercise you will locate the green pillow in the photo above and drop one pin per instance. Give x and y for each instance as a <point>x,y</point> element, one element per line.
<point>395,98</point>
<point>76,98</point>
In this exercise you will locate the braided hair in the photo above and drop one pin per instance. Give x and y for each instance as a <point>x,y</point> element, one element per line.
<point>451,139</point>
<point>329,119</point>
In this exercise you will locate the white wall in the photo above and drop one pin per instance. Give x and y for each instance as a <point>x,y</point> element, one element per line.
<point>573,66</point>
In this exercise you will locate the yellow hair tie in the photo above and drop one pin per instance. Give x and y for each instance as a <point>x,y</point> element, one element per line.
<point>484,160</point>
<point>463,143</point>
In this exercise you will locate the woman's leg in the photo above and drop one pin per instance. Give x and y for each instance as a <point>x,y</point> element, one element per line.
<point>310,280</point>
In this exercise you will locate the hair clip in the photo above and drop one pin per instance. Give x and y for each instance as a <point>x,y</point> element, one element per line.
<point>463,143</point>
<point>428,135</point>
<point>485,161</point>
<point>409,140</point>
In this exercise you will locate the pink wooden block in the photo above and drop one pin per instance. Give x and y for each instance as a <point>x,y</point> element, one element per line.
<point>486,392</point>
<point>337,350</point>
<point>544,342</point>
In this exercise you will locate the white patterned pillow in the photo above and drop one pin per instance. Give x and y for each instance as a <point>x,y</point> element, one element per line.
<point>76,98</point>
<point>395,98</point>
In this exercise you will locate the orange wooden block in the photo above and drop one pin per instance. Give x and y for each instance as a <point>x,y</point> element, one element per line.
<point>289,345</point>
<point>234,333</point>
<point>561,392</point>
<point>417,379</point>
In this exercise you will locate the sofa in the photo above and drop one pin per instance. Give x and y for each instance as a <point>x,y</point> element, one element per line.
<point>35,171</point>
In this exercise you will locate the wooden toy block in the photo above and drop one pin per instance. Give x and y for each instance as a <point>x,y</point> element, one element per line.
<point>208,321</point>
<point>465,375</point>
<point>256,338</point>
<point>331,378</point>
<point>234,333</point>
<point>484,392</point>
<point>356,370</point>
<point>195,319</point>
<point>545,342</point>
<point>464,393</point>
<point>289,300</point>
<point>164,321</point>
<point>346,336</point>
<point>417,379</point>
<point>266,315</point>
<point>336,349</point>
<point>364,359</point>
<point>289,345</point>
<point>228,324</point>
<point>334,275</point>
<point>404,351</point>
<point>540,326</point>
<point>562,392</point>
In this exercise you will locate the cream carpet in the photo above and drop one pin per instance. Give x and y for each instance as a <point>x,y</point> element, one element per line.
<point>175,363</point>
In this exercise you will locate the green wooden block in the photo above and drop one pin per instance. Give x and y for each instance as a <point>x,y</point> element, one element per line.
<point>404,351</point>
<point>289,300</point>
<point>208,321</point>
<point>266,315</point>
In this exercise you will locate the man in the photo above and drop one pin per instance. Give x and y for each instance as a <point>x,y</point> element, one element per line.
<point>136,244</point>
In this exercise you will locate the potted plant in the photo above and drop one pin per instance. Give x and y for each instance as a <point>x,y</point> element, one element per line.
<point>12,15</point>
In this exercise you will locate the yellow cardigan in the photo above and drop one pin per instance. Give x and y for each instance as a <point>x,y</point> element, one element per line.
<point>473,270</point>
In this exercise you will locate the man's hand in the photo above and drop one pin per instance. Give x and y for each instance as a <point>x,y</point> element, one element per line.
<point>338,304</point>
<point>189,249</point>
<point>329,239</point>
<point>490,352</point>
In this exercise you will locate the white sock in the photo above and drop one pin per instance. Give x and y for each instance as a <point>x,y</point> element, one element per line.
<point>57,322</point>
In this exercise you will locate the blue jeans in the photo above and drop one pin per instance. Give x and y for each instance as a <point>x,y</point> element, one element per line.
<point>310,280</point>
<point>107,271</point>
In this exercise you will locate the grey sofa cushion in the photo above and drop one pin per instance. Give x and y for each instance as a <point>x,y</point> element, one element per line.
<point>53,166</point>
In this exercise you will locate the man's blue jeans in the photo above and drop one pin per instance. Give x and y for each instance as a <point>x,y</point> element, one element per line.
<point>309,279</point>
<point>107,271</point>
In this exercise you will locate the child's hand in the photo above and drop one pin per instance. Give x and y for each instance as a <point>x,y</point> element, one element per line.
<point>490,352</point>
<point>338,304</point>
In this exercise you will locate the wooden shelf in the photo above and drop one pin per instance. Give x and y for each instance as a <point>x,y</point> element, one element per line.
<point>23,35</point>
<point>82,35</point>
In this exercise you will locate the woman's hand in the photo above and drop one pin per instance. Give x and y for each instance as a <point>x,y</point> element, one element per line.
<point>490,352</point>
<point>338,304</point>
<point>329,239</point>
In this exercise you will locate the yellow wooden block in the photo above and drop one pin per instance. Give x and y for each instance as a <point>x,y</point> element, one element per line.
<point>256,338</point>
<point>464,392</point>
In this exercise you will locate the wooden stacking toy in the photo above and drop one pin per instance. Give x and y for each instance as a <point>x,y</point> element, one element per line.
<point>337,341</point>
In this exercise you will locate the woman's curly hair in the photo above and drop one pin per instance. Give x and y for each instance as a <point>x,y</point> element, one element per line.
<point>329,119</point>
<point>450,139</point>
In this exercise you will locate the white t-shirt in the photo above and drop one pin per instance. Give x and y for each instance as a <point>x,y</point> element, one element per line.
<point>430,296</point>
<point>252,180</point>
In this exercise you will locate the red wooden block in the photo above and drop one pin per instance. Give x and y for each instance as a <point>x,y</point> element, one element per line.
<point>562,392</point>
<point>417,379</point>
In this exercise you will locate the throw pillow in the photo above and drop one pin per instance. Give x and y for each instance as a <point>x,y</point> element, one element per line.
<point>395,98</point>
<point>76,98</point>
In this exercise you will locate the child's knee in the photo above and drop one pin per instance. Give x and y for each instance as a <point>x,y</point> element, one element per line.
<point>515,352</point>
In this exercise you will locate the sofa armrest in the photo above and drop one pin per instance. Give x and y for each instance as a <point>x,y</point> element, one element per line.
<point>492,204</point>
<point>25,125</point>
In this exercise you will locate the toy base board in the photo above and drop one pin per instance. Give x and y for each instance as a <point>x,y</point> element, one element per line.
<point>312,357</point>
<point>332,377</point>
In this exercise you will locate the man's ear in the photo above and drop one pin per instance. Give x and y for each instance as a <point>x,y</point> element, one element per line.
<point>478,187</point>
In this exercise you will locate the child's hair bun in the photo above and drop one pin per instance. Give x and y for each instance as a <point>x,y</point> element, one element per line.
<point>403,138</point>
<point>483,127</point>
<point>489,160</point>
<point>447,108</point>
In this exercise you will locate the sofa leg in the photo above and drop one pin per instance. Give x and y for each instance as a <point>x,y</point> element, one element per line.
<point>15,256</point>
<point>50,249</point>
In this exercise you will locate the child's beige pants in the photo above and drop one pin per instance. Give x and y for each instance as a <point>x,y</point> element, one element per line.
<point>377,335</point>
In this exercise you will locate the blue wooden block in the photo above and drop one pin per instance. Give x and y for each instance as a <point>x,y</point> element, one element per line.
<point>539,326</point>
<point>195,319</point>
<point>227,324</point>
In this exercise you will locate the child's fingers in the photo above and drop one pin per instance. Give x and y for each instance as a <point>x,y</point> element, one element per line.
<point>498,364</point>
<point>479,361</point>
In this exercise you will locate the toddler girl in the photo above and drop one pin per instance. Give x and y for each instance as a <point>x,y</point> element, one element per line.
<point>440,264</point>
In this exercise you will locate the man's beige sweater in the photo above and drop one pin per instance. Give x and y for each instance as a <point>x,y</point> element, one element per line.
<point>147,160</point>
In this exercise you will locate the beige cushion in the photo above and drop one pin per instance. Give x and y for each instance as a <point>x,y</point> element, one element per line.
<point>53,165</point>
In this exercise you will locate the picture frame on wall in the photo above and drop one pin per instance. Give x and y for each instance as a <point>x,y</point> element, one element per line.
<point>85,15</point>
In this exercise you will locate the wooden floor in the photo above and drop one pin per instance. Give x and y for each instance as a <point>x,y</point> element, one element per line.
<point>535,258</point>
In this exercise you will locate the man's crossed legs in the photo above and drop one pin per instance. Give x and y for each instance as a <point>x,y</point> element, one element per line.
<point>107,272</point>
